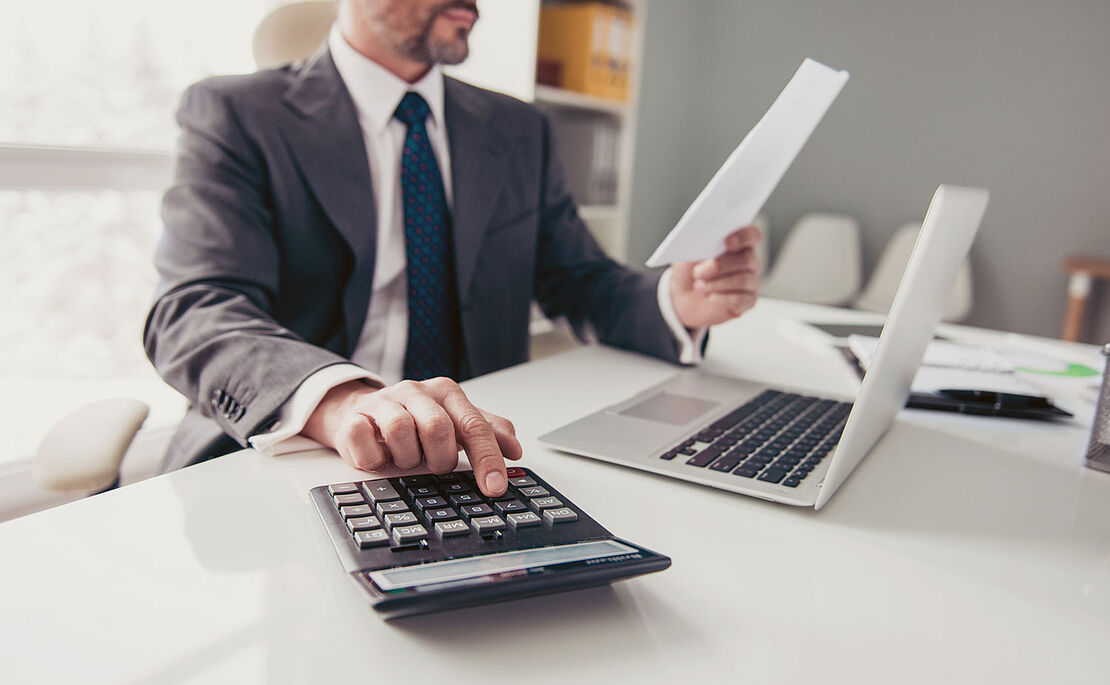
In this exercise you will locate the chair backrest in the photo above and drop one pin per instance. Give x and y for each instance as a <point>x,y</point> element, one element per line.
<point>819,261</point>
<point>878,294</point>
<point>291,31</point>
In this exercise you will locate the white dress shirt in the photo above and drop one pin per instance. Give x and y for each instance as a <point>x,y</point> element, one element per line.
<point>376,92</point>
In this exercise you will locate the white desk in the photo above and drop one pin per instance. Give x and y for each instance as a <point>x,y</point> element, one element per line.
<point>991,565</point>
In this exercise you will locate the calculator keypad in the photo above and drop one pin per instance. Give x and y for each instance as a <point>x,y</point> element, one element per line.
<point>409,512</point>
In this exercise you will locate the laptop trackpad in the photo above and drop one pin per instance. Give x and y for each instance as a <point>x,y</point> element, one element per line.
<point>666,407</point>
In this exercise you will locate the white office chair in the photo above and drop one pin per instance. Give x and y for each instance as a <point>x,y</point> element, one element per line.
<point>291,31</point>
<point>819,261</point>
<point>878,294</point>
<point>82,453</point>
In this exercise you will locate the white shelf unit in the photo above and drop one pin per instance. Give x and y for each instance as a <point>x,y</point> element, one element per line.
<point>503,57</point>
<point>559,97</point>
<point>608,222</point>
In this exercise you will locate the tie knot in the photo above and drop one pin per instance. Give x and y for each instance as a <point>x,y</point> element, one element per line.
<point>412,110</point>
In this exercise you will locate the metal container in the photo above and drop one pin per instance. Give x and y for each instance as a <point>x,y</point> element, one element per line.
<point>1098,453</point>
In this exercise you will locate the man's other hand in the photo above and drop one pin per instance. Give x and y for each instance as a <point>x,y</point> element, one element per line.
<point>715,290</point>
<point>414,422</point>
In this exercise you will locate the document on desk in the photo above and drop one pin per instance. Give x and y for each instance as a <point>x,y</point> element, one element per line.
<point>738,190</point>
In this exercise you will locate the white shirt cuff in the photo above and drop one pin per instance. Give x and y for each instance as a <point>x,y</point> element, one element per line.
<point>689,341</point>
<point>284,436</point>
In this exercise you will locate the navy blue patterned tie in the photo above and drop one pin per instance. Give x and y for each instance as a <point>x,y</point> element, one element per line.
<point>434,339</point>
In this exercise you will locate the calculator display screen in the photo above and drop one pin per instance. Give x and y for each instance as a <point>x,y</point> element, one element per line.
<point>471,567</point>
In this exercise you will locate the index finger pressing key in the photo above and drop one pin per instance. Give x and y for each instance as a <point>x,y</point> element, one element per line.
<point>478,439</point>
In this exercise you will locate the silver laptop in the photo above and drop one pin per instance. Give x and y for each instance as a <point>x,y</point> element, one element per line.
<point>775,444</point>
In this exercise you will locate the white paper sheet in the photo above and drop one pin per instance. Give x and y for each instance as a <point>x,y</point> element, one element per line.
<point>742,185</point>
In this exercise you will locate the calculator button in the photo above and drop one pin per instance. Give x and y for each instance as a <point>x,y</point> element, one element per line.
<point>515,472</point>
<point>561,515</point>
<point>406,519</point>
<point>392,508</point>
<point>380,491</point>
<point>465,498</point>
<point>363,523</point>
<point>541,503</point>
<point>449,478</point>
<point>351,498</point>
<point>444,514</point>
<point>404,535</point>
<point>523,519</point>
<point>457,487</point>
<point>535,491</point>
<point>356,511</point>
<point>509,506</point>
<point>423,491</point>
<point>475,510</point>
<point>487,524</point>
<point>425,503</point>
<point>415,481</point>
<point>342,489</point>
<point>522,482</point>
<point>447,529</point>
<point>371,538</point>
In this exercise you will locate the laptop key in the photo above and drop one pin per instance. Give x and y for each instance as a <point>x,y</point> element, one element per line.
<point>792,482</point>
<point>705,457</point>
<point>724,464</point>
<point>745,472</point>
<point>772,475</point>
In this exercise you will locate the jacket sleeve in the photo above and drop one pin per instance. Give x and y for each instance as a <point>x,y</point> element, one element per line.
<point>576,280</point>
<point>210,332</point>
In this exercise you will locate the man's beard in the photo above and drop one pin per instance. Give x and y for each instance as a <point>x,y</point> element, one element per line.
<point>429,50</point>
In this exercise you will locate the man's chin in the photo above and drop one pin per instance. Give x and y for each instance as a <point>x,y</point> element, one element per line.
<point>449,52</point>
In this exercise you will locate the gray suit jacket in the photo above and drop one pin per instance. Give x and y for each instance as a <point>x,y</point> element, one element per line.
<point>267,257</point>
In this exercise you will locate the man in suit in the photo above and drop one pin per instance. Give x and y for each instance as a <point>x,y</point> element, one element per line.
<point>348,237</point>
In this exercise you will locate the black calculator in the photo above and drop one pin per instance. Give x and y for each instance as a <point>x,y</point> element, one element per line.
<point>427,543</point>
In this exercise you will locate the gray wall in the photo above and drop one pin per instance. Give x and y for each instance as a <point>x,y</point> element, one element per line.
<point>1012,95</point>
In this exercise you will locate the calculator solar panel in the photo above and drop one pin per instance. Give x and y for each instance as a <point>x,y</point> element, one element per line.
<point>425,543</point>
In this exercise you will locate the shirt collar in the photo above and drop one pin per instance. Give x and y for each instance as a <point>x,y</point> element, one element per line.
<point>375,90</point>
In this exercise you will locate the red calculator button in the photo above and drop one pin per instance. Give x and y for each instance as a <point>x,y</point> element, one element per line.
<point>514,472</point>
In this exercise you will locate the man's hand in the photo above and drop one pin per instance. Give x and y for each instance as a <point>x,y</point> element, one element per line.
<point>715,290</point>
<point>413,422</point>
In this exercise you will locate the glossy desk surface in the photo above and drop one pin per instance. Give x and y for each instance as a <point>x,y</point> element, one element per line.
<point>964,550</point>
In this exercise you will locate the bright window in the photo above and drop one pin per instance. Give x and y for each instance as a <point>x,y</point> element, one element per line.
<point>79,224</point>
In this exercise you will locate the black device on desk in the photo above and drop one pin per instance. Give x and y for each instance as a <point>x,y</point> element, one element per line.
<point>977,402</point>
<point>419,544</point>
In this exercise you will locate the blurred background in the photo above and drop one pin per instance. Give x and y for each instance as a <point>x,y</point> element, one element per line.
<point>647,98</point>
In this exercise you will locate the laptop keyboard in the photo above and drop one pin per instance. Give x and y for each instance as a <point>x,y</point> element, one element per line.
<point>778,437</point>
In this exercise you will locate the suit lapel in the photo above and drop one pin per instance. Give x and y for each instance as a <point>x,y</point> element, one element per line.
<point>477,166</point>
<point>327,144</point>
